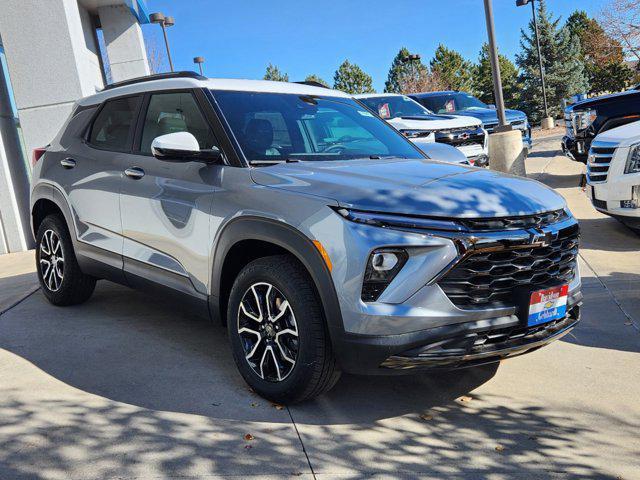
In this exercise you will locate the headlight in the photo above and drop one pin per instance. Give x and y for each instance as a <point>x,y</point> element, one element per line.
<point>400,222</point>
<point>416,133</point>
<point>583,119</point>
<point>382,267</point>
<point>633,160</point>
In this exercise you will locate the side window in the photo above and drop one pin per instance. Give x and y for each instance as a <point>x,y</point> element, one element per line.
<point>175,112</point>
<point>112,127</point>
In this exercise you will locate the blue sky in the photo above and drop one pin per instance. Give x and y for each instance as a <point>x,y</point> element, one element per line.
<point>239,38</point>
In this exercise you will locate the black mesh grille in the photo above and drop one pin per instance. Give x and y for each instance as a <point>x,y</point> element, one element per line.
<point>490,278</point>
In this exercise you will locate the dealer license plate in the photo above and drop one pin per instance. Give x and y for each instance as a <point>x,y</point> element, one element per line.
<point>548,305</point>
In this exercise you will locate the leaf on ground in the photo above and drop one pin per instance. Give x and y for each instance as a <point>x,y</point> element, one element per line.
<point>465,398</point>
<point>248,437</point>
<point>426,416</point>
<point>499,448</point>
<point>628,323</point>
<point>254,404</point>
<point>277,406</point>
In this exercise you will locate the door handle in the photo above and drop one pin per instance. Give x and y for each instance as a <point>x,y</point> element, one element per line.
<point>134,172</point>
<point>68,163</point>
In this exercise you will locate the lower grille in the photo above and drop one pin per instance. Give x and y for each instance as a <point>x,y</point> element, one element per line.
<point>601,204</point>
<point>491,278</point>
<point>598,163</point>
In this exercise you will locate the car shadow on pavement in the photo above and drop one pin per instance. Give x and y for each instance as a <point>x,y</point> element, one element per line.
<point>147,351</point>
<point>146,363</point>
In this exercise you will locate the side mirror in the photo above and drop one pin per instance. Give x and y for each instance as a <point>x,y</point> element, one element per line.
<point>492,107</point>
<point>182,146</point>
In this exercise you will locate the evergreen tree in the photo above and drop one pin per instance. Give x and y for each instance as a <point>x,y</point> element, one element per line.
<point>315,78</point>
<point>483,79</point>
<point>453,70</point>
<point>274,73</point>
<point>602,56</point>
<point>563,66</point>
<point>351,79</point>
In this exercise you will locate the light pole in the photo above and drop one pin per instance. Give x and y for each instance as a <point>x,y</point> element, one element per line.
<point>495,68</point>
<point>506,151</point>
<point>164,22</point>
<point>522,3</point>
<point>199,61</point>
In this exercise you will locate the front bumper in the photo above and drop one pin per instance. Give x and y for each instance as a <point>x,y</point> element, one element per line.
<point>453,346</point>
<point>576,148</point>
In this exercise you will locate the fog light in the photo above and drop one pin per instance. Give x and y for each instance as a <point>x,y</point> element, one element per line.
<point>382,267</point>
<point>384,261</point>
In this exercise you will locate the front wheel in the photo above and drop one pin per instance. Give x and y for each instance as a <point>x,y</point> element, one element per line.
<point>278,333</point>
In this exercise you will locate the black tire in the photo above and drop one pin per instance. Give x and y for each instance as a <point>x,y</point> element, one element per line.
<point>73,287</point>
<point>315,370</point>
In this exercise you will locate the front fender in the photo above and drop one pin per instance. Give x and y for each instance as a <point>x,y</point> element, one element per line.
<point>292,240</point>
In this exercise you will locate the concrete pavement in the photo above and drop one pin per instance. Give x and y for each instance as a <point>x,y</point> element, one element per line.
<point>132,386</point>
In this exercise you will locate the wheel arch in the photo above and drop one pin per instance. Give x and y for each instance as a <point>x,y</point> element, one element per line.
<point>271,237</point>
<point>46,200</point>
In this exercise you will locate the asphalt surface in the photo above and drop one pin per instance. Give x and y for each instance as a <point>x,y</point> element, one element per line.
<point>133,386</point>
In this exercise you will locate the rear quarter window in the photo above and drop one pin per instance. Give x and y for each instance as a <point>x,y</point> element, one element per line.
<point>112,129</point>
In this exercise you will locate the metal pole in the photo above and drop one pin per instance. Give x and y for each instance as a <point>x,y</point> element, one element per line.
<point>495,66</point>
<point>200,65</point>
<point>166,43</point>
<point>544,87</point>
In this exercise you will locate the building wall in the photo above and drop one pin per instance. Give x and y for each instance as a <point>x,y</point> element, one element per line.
<point>53,60</point>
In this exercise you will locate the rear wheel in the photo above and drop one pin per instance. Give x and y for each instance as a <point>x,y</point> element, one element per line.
<point>277,330</point>
<point>61,279</point>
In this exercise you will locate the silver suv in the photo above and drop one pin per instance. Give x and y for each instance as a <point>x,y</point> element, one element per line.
<point>320,236</point>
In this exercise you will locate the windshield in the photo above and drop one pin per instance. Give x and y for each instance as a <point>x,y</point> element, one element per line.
<point>452,102</point>
<point>275,127</point>
<point>395,106</point>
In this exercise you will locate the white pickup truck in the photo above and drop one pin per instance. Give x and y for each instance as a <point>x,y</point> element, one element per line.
<point>613,174</point>
<point>422,126</point>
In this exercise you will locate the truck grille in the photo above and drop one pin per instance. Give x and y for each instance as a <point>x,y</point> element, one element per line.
<point>490,278</point>
<point>598,163</point>
<point>460,137</point>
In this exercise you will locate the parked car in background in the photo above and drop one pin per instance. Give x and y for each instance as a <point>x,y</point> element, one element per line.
<point>613,174</point>
<point>317,234</point>
<point>461,103</point>
<point>423,127</point>
<point>588,118</point>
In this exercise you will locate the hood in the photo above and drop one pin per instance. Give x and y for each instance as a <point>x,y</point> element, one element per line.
<point>433,122</point>
<point>489,116</point>
<point>413,187</point>
<point>593,102</point>
<point>623,136</point>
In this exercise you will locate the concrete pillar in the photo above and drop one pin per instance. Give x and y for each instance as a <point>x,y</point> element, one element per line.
<point>124,41</point>
<point>506,152</point>
<point>548,123</point>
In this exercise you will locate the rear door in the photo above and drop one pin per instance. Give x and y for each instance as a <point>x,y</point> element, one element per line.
<point>166,205</point>
<point>91,175</point>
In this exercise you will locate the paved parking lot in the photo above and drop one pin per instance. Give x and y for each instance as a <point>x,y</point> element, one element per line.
<point>131,386</point>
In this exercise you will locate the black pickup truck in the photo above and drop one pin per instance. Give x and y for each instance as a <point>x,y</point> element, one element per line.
<point>585,119</point>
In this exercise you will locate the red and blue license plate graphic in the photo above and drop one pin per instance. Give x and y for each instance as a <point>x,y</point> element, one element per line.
<point>548,305</point>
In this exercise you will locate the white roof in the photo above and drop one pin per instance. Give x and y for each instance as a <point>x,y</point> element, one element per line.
<point>376,95</point>
<point>214,84</point>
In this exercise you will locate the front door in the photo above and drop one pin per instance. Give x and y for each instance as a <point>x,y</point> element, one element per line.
<point>166,205</point>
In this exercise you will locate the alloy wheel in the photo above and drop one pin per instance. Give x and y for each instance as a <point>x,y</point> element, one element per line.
<point>268,332</point>
<point>51,260</point>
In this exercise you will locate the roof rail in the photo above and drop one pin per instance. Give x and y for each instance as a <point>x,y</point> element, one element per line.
<point>157,76</point>
<point>313,83</point>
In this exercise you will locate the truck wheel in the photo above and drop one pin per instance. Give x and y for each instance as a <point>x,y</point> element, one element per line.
<point>278,333</point>
<point>61,279</point>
